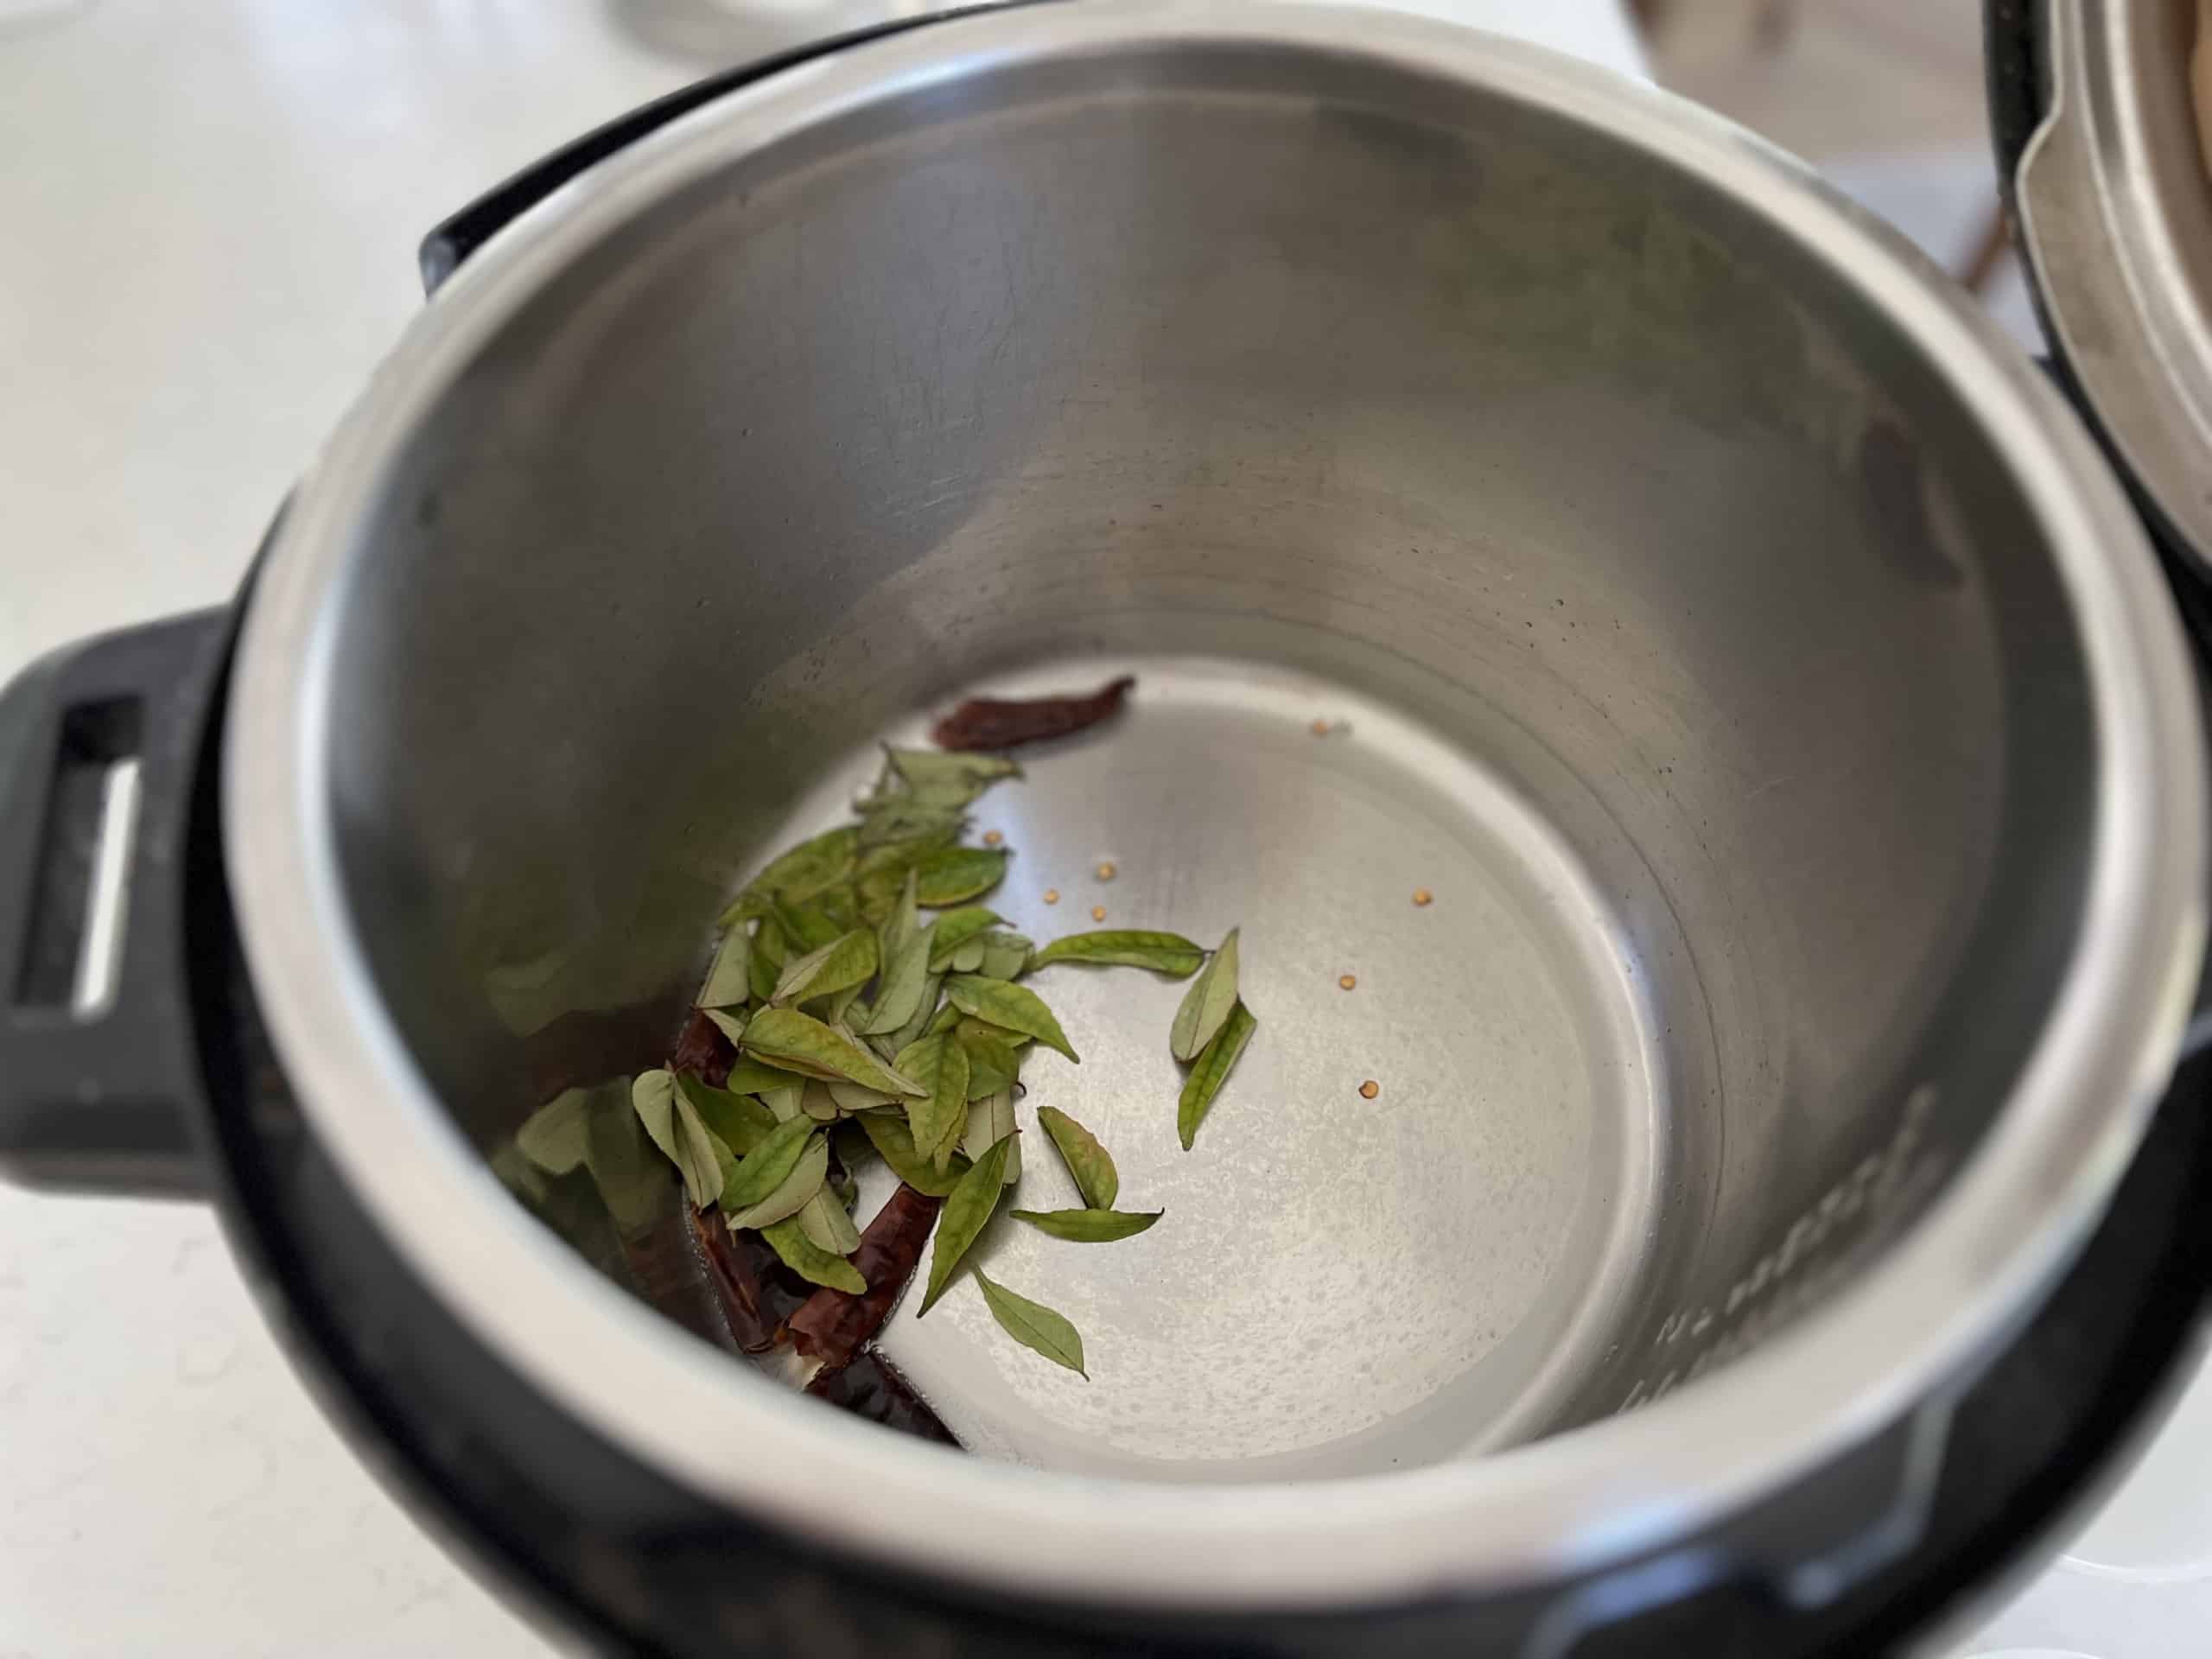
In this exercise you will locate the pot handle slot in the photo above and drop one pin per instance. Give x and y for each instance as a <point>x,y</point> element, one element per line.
<point>100,748</point>
<point>452,241</point>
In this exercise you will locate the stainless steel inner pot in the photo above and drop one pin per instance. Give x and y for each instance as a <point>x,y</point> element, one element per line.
<point>1724,624</point>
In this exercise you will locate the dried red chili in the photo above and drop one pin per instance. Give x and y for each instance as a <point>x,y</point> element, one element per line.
<point>835,1323</point>
<point>759,1295</point>
<point>702,1049</point>
<point>998,723</point>
<point>870,1386</point>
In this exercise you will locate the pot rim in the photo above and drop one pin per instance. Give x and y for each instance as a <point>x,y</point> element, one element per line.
<point>1937,1302</point>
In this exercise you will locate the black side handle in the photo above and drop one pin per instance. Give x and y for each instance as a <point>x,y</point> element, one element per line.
<point>446,248</point>
<point>100,743</point>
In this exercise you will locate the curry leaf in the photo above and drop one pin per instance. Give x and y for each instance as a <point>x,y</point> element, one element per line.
<point>955,928</point>
<point>729,1021</point>
<point>905,920</point>
<point>1015,1006</point>
<point>892,859</point>
<point>1005,955</point>
<point>959,873</point>
<point>771,949</point>
<point>991,1120</point>
<point>739,1121</point>
<point>970,1026</point>
<point>823,1220</point>
<point>674,1125</point>
<point>1095,1178</point>
<point>886,871</point>
<point>1034,1325</point>
<point>838,906</point>
<point>729,977</point>
<point>1164,953</point>
<point>750,1076</point>
<point>785,1100</point>
<point>888,789</point>
<point>765,1168</point>
<point>894,1142</point>
<point>845,962</point>
<point>652,1097</point>
<point>809,927</point>
<point>901,820</point>
<point>964,1214</point>
<point>948,1148</point>
<point>890,1043</point>
<point>992,1063</point>
<point>878,894</point>
<point>1210,1071</point>
<point>811,868</point>
<point>937,779</point>
<point>1207,1004</point>
<point>1090,1226</point>
<point>798,1042</point>
<point>789,1196</point>
<point>810,1261</point>
<point>941,1065</point>
<point>906,976</point>
<point>851,1098</point>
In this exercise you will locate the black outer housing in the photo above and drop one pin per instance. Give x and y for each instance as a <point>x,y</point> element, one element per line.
<point>585,1535</point>
<point>2012,65</point>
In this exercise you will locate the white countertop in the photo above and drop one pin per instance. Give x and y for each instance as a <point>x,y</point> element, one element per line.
<point>211,211</point>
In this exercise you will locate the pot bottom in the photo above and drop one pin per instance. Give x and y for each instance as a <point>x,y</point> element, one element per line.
<point>1339,1284</point>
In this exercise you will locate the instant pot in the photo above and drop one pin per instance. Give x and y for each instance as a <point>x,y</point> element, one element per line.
<point>1719,597</point>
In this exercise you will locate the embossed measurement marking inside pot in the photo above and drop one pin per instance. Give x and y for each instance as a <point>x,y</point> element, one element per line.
<point>1338,1285</point>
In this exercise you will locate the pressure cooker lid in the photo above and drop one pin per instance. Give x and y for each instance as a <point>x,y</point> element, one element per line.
<point>2104,153</point>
